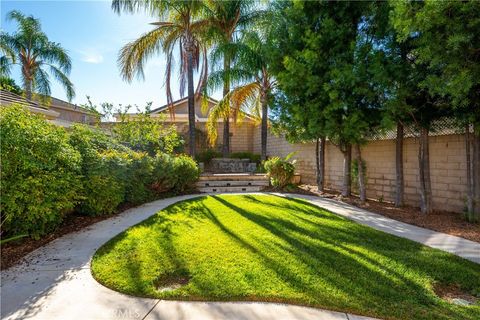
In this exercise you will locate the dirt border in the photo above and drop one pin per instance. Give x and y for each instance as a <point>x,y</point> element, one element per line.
<point>442,221</point>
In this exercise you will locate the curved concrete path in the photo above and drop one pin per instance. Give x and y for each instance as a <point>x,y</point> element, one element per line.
<point>54,282</point>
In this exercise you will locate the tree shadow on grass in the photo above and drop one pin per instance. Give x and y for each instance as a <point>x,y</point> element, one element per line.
<point>345,269</point>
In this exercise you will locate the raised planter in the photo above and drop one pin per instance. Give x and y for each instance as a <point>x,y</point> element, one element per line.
<point>227,165</point>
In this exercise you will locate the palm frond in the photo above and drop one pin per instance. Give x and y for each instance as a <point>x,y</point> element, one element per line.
<point>41,83</point>
<point>53,53</point>
<point>64,81</point>
<point>134,55</point>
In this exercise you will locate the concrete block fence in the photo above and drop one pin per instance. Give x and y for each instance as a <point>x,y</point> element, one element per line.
<point>447,163</point>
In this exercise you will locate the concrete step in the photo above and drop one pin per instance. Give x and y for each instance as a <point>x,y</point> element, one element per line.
<point>231,189</point>
<point>230,183</point>
<point>232,177</point>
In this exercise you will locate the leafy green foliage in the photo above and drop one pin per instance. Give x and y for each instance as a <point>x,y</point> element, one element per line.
<point>145,133</point>
<point>246,155</point>
<point>269,248</point>
<point>280,170</point>
<point>186,172</point>
<point>104,167</point>
<point>207,155</point>
<point>40,174</point>
<point>39,58</point>
<point>9,84</point>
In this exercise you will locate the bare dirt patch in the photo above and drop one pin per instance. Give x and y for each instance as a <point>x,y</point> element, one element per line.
<point>454,294</point>
<point>172,281</point>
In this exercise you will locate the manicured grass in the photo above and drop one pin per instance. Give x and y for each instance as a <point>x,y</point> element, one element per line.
<point>268,248</point>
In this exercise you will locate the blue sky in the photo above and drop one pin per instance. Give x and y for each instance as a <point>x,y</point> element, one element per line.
<point>93,34</point>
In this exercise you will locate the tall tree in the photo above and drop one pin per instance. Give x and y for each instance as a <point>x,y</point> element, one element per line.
<point>182,24</point>
<point>225,18</point>
<point>38,57</point>
<point>253,83</point>
<point>427,97</point>
<point>448,43</point>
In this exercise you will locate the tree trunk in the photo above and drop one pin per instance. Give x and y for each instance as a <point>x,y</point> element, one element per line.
<point>470,195</point>
<point>28,89</point>
<point>320,160</point>
<point>347,164</point>
<point>191,103</point>
<point>399,180</point>
<point>264,102</point>
<point>424,166</point>
<point>476,174</point>
<point>226,120</point>
<point>361,175</point>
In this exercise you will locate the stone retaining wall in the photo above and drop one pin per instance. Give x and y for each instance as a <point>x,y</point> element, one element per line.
<point>447,161</point>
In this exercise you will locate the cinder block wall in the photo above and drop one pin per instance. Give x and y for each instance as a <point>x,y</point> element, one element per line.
<point>447,163</point>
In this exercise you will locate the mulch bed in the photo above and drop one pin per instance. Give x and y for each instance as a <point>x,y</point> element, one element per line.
<point>442,221</point>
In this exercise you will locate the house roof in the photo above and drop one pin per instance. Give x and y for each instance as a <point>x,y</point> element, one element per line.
<point>7,98</point>
<point>61,104</point>
<point>175,103</point>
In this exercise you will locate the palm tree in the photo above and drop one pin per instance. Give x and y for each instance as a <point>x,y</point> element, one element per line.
<point>254,85</point>
<point>224,19</point>
<point>38,57</point>
<point>182,25</point>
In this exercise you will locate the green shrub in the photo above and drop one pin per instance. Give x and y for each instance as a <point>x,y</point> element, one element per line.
<point>139,179</point>
<point>39,176</point>
<point>246,155</point>
<point>280,171</point>
<point>207,155</point>
<point>104,170</point>
<point>186,173</point>
<point>163,174</point>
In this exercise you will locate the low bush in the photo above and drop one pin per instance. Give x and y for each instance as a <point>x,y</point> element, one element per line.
<point>139,179</point>
<point>40,174</point>
<point>48,172</point>
<point>104,170</point>
<point>163,174</point>
<point>246,155</point>
<point>186,172</point>
<point>280,170</point>
<point>207,155</point>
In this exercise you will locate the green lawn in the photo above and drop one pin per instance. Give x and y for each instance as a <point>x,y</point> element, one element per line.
<point>268,248</point>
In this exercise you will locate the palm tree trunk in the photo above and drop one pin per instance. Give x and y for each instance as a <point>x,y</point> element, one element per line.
<point>191,103</point>
<point>320,157</point>
<point>28,89</point>
<point>226,120</point>
<point>347,164</point>
<point>264,102</point>
<point>424,166</point>
<point>361,175</point>
<point>399,181</point>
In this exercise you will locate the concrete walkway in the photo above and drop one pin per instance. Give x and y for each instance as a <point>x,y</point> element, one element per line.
<point>54,282</point>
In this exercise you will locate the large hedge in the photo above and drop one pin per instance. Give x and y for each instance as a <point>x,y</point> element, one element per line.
<point>48,172</point>
<point>40,173</point>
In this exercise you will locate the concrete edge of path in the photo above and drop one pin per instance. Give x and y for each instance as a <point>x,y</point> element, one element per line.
<point>55,281</point>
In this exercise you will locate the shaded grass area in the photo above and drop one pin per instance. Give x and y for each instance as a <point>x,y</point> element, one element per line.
<point>269,248</point>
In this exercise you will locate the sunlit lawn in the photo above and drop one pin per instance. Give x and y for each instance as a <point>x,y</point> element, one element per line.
<point>268,248</point>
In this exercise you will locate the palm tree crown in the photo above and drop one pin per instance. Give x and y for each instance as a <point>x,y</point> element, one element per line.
<point>252,80</point>
<point>226,18</point>
<point>181,25</point>
<point>38,57</point>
